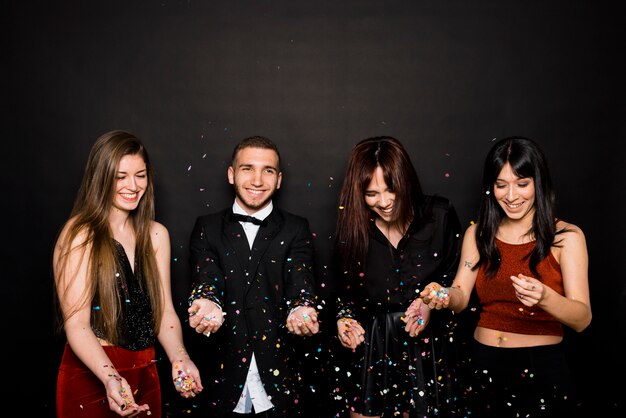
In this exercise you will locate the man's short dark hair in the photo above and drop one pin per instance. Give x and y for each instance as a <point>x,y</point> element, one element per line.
<point>255,142</point>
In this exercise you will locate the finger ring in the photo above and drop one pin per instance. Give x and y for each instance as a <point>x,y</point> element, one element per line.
<point>207,318</point>
<point>305,317</point>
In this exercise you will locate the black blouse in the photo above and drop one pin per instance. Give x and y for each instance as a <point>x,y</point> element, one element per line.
<point>393,277</point>
<point>134,328</point>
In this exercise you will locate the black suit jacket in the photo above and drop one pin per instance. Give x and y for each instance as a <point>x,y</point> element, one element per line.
<point>257,288</point>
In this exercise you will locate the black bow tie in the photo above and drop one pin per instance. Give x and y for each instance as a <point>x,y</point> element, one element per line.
<point>247,218</point>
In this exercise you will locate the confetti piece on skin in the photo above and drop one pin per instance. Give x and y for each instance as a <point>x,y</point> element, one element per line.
<point>124,394</point>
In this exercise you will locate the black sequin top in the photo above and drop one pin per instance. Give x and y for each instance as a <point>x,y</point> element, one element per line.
<point>134,329</point>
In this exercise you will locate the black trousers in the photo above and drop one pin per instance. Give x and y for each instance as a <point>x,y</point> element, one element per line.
<point>521,382</point>
<point>265,414</point>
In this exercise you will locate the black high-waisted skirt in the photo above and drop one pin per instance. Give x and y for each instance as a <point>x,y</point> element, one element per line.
<point>396,373</point>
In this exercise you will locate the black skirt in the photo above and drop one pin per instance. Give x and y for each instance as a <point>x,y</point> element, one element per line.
<point>395,373</point>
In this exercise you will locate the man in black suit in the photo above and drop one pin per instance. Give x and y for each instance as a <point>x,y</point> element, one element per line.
<point>252,267</point>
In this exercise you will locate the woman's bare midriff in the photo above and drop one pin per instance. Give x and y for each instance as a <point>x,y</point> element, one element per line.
<point>495,338</point>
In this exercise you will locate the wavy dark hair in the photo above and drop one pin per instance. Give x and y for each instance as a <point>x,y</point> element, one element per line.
<point>527,160</point>
<point>354,216</point>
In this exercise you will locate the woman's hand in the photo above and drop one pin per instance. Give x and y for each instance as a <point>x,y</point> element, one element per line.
<point>528,290</point>
<point>416,317</point>
<point>435,296</point>
<point>350,333</point>
<point>120,397</point>
<point>186,378</point>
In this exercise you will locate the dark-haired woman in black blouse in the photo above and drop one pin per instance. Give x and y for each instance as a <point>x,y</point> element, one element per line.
<point>391,240</point>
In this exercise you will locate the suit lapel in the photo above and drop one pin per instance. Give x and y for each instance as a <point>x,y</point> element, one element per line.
<point>262,241</point>
<point>235,235</point>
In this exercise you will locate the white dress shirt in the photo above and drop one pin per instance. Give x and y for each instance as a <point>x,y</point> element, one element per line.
<point>253,393</point>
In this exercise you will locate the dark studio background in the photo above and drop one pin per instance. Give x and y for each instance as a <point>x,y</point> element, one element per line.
<point>191,78</point>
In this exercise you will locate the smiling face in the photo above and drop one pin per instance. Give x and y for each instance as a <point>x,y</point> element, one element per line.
<point>255,176</point>
<point>515,195</point>
<point>130,182</point>
<point>379,198</point>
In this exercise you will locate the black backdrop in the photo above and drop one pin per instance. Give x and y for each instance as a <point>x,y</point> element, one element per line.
<point>193,77</point>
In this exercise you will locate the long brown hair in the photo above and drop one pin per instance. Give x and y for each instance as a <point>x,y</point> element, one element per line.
<point>527,160</point>
<point>354,216</point>
<point>90,218</point>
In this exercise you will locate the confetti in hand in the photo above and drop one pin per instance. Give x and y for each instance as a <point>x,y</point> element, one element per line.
<point>183,382</point>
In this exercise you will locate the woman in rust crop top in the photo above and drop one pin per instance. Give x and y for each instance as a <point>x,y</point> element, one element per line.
<point>111,271</point>
<point>529,272</point>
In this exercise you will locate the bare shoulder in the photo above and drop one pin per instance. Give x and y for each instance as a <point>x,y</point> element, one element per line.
<point>77,241</point>
<point>569,240</point>
<point>72,250</point>
<point>569,233</point>
<point>159,233</point>
<point>157,228</point>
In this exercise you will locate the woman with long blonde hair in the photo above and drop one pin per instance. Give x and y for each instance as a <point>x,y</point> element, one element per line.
<point>112,281</point>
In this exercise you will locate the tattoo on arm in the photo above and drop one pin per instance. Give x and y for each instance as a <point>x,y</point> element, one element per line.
<point>467,264</point>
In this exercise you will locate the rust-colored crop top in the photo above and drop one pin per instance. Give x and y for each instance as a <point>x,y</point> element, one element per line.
<point>501,310</point>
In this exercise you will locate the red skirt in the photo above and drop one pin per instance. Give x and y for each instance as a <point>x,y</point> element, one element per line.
<point>81,394</point>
